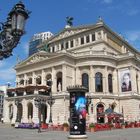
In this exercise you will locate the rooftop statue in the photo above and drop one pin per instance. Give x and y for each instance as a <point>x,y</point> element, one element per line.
<point>69,21</point>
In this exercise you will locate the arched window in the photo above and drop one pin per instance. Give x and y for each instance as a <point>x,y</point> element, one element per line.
<point>98,82</point>
<point>30,81</point>
<point>10,111</point>
<point>30,110</point>
<point>110,86</point>
<point>85,80</point>
<point>38,80</point>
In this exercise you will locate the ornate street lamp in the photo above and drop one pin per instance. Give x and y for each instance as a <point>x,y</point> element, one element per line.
<point>38,103</point>
<point>50,100</point>
<point>12,30</point>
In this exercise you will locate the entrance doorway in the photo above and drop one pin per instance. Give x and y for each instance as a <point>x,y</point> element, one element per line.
<point>100,113</point>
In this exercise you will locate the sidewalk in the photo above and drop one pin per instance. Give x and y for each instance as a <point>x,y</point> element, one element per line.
<point>9,133</point>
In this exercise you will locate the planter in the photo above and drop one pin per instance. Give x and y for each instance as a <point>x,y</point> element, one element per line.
<point>92,129</point>
<point>123,126</point>
<point>65,128</point>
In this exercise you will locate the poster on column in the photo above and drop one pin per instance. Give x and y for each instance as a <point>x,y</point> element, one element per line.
<point>125,80</point>
<point>77,113</point>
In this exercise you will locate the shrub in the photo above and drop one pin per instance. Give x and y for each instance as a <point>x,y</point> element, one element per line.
<point>91,125</point>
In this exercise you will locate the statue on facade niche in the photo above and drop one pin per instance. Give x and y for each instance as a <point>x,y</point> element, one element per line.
<point>59,87</point>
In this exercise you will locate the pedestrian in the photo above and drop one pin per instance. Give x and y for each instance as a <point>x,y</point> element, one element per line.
<point>2,120</point>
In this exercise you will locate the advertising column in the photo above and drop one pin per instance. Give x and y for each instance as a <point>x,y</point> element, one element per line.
<point>77,112</point>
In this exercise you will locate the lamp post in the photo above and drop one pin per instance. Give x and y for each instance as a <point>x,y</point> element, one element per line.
<point>88,102</point>
<point>38,103</point>
<point>12,29</point>
<point>50,100</point>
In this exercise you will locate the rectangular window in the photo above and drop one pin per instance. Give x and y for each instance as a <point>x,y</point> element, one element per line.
<point>82,40</point>
<point>67,45</point>
<point>87,39</point>
<point>62,46</point>
<point>52,49</point>
<point>93,37</point>
<point>71,43</point>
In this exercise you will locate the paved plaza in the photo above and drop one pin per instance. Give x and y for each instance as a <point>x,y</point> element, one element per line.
<point>9,133</point>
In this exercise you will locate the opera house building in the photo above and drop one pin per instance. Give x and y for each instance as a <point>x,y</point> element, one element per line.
<point>93,56</point>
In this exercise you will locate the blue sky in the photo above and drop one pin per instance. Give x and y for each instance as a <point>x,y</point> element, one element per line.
<point>49,15</point>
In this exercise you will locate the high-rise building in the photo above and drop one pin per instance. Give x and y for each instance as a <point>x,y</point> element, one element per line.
<point>36,40</point>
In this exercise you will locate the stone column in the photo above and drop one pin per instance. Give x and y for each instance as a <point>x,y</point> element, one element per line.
<point>91,80</point>
<point>14,113</point>
<point>25,111</point>
<point>105,37</point>
<point>51,49</point>
<point>25,79</point>
<point>43,78</point>
<point>138,82</point>
<point>133,79</point>
<point>73,76</point>
<point>6,111</point>
<point>35,118</point>
<point>34,80</point>
<point>105,80</point>
<point>96,36</point>
<point>90,37</point>
<point>115,81</point>
<point>102,34</point>
<point>78,76</point>
<point>54,83</point>
<point>64,77</point>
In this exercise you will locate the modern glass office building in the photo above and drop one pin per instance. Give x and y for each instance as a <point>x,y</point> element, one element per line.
<point>36,40</point>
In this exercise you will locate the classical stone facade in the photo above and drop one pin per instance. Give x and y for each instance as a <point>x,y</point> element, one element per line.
<point>93,56</point>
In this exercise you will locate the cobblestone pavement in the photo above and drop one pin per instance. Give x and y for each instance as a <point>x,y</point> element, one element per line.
<point>9,133</point>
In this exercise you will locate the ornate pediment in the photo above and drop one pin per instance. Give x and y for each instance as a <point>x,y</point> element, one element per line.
<point>33,59</point>
<point>36,58</point>
<point>67,33</point>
